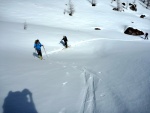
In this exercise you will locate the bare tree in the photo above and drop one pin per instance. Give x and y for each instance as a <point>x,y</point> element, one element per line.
<point>148,3</point>
<point>93,2</point>
<point>119,6</point>
<point>71,9</point>
<point>127,5</point>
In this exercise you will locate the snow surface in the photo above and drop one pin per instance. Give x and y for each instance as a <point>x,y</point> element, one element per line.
<point>103,71</point>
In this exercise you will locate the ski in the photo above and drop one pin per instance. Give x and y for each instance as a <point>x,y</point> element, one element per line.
<point>67,47</point>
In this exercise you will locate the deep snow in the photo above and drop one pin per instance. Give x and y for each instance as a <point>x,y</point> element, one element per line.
<point>104,71</point>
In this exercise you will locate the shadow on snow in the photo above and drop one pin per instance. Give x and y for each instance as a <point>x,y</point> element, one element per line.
<point>35,55</point>
<point>19,102</point>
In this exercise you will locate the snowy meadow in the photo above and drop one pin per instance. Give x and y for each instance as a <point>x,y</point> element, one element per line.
<point>103,71</point>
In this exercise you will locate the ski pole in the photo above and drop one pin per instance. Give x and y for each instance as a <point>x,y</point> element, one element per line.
<point>45,51</point>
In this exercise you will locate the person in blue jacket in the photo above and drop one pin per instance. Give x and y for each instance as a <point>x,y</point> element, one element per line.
<point>37,46</point>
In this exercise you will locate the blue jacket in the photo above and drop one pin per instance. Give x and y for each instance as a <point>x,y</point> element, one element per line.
<point>38,46</point>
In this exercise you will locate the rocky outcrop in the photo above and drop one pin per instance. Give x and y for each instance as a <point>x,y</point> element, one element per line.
<point>142,16</point>
<point>97,28</point>
<point>132,31</point>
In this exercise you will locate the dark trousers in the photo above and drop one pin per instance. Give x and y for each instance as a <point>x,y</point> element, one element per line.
<point>66,45</point>
<point>39,53</point>
<point>146,37</point>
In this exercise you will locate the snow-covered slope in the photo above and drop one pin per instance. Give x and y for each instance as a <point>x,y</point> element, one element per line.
<point>103,71</point>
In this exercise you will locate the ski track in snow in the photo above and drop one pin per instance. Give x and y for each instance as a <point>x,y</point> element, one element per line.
<point>90,40</point>
<point>89,99</point>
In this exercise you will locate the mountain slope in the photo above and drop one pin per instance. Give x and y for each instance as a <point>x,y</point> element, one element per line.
<point>104,71</point>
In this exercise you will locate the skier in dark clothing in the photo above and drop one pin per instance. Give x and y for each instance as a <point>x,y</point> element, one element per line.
<point>146,36</point>
<point>65,41</point>
<point>37,46</point>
